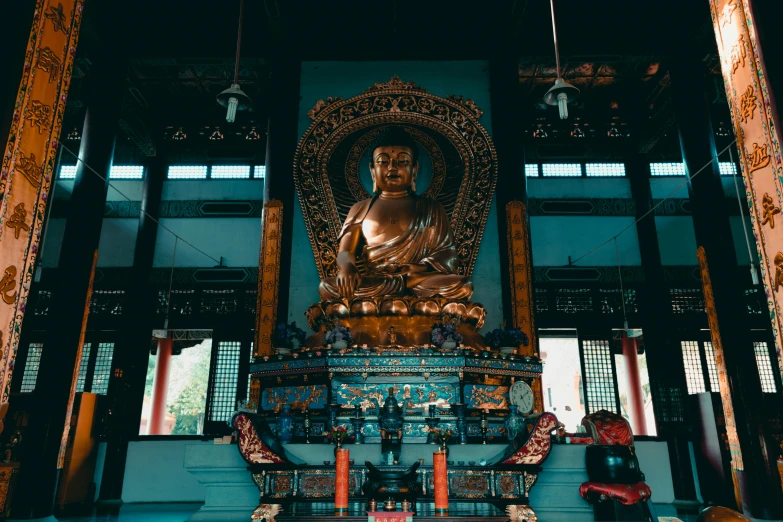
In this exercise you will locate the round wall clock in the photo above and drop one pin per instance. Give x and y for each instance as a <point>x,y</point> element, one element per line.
<point>521,396</point>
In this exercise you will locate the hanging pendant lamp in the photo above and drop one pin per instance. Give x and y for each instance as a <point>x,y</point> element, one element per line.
<point>233,98</point>
<point>562,92</point>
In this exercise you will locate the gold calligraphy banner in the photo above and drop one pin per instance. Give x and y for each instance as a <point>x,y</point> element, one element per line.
<point>723,378</point>
<point>521,275</point>
<point>268,275</point>
<point>28,162</point>
<point>757,140</point>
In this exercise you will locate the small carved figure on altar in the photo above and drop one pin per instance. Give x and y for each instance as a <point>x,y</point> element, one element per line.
<point>392,336</point>
<point>405,239</point>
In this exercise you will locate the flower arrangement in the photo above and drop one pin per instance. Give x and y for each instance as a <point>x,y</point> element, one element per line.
<point>445,331</point>
<point>441,435</point>
<point>338,333</point>
<point>285,335</point>
<point>506,337</point>
<point>339,434</point>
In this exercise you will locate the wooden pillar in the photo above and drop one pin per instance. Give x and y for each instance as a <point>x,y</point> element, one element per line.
<point>753,456</point>
<point>160,388</point>
<point>664,355</point>
<point>281,138</point>
<point>131,353</point>
<point>68,315</point>
<point>634,386</point>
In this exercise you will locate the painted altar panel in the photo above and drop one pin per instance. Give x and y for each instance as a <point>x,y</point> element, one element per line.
<point>346,79</point>
<point>482,396</point>
<point>440,393</point>
<point>299,397</point>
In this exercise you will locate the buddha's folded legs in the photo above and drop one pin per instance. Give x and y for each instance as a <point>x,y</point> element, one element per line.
<point>429,284</point>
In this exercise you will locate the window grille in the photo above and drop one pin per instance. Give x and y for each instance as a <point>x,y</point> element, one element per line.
<point>224,381</point>
<point>694,373</point>
<point>68,172</point>
<point>187,172</point>
<point>531,170</point>
<point>599,376</point>
<point>218,302</point>
<point>605,169</point>
<point>100,377</point>
<point>687,300</point>
<point>753,299</point>
<point>573,300</point>
<point>31,367</point>
<point>231,172</point>
<point>259,172</point>
<point>41,302</point>
<point>249,376</point>
<point>712,368</point>
<point>126,172</point>
<point>107,302</point>
<point>542,300</point>
<point>764,364</point>
<point>83,363</point>
<point>667,169</point>
<point>727,168</point>
<point>550,170</point>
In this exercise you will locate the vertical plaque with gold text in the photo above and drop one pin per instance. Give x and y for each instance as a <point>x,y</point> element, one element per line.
<point>268,275</point>
<point>758,140</point>
<point>28,161</point>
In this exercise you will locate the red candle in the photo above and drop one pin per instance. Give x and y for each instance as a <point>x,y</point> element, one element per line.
<point>440,481</point>
<point>341,482</point>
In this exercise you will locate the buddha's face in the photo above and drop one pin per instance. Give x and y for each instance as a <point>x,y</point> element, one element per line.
<point>393,168</point>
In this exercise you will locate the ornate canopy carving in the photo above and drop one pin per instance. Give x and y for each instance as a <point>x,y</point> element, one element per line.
<point>328,163</point>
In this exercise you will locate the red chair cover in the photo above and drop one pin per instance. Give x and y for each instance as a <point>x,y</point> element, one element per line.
<point>537,447</point>
<point>608,428</point>
<point>626,494</point>
<point>251,447</point>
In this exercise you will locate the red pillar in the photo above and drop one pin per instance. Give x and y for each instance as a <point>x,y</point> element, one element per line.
<point>160,387</point>
<point>634,384</point>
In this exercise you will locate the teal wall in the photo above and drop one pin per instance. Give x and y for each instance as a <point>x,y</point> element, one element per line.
<point>346,79</point>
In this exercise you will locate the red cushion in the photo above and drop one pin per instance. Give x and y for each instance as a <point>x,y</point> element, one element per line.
<point>626,494</point>
<point>608,428</point>
<point>538,445</point>
<point>251,447</point>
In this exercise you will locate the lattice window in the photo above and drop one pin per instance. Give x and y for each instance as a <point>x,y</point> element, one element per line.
<point>599,376</point>
<point>83,363</point>
<point>249,376</point>
<point>224,381</point>
<point>41,302</point>
<point>712,367</point>
<point>694,373</point>
<point>218,302</point>
<point>542,301</point>
<point>250,300</point>
<point>573,300</point>
<point>670,399</point>
<point>687,300</point>
<point>259,172</point>
<point>764,364</point>
<point>605,169</point>
<point>107,302</point>
<point>531,170</point>
<point>182,302</point>
<point>549,170</point>
<point>31,367</point>
<point>667,169</point>
<point>67,172</point>
<point>754,302</point>
<point>610,301</point>
<point>230,172</point>
<point>126,172</point>
<point>100,377</point>
<point>727,168</point>
<point>187,172</point>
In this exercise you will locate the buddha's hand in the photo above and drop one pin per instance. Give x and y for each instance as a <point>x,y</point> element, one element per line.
<point>408,268</point>
<point>348,279</point>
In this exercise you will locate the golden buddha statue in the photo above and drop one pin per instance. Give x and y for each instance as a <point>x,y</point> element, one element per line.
<point>405,239</point>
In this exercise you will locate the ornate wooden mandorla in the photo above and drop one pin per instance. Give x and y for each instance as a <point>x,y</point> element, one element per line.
<point>400,260</point>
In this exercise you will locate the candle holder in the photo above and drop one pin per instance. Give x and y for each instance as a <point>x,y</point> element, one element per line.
<point>484,427</point>
<point>334,410</point>
<point>432,410</point>
<point>357,423</point>
<point>307,424</point>
<point>462,425</point>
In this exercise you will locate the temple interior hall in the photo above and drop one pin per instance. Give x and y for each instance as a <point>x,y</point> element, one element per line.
<point>296,260</point>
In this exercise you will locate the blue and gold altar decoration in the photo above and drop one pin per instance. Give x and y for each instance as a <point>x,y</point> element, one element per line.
<point>299,397</point>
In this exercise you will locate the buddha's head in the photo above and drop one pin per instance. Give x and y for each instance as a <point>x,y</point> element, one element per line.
<point>394,161</point>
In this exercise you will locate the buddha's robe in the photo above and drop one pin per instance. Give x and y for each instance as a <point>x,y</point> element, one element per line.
<point>428,240</point>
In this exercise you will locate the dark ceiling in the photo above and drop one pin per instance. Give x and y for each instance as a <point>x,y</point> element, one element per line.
<point>182,54</point>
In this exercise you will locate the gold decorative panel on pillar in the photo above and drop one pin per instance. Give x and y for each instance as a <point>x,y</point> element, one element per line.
<point>723,379</point>
<point>268,276</point>
<point>758,140</point>
<point>28,161</point>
